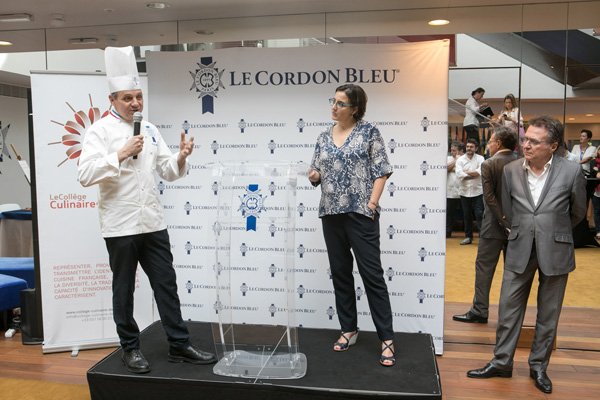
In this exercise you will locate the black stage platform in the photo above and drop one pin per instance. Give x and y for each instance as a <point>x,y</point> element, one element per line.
<point>354,374</point>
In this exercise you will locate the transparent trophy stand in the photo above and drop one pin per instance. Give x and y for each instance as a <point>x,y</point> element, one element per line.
<point>256,333</point>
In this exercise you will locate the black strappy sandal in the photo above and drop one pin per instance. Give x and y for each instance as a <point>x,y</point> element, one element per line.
<point>348,341</point>
<point>383,359</point>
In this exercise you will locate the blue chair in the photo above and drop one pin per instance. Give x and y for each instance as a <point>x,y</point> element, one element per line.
<point>19,267</point>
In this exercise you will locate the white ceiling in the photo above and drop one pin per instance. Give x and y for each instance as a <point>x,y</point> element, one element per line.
<point>130,22</point>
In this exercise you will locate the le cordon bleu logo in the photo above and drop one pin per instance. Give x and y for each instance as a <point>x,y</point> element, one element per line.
<point>71,136</point>
<point>207,79</point>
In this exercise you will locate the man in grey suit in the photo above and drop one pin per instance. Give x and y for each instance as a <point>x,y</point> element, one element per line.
<point>543,198</point>
<point>494,232</point>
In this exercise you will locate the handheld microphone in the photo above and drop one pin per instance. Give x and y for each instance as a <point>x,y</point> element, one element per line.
<point>137,120</point>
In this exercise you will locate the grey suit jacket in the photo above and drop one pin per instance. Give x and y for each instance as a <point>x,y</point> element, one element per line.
<point>561,206</point>
<point>493,225</point>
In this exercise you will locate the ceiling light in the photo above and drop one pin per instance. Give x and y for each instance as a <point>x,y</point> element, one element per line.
<point>203,32</point>
<point>5,43</point>
<point>82,40</point>
<point>589,115</point>
<point>438,22</point>
<point>158,6</point>
<point>111,40</point>
<point>571,119</point>
<point>16,17</point>
<point>335,40</point>
<point>57,21</point>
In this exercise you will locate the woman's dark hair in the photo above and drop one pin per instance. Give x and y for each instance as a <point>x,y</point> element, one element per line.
<point>478,90</point>
<point>357,97</point>
<point>587,132</point>
<point>512,99</point>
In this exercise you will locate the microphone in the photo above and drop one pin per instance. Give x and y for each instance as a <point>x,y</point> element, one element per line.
<point>137,119</point>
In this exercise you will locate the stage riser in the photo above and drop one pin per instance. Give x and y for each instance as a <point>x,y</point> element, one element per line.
<point>354,374</point>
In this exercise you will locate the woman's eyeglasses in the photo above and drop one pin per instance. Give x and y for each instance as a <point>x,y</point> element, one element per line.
<point>338,104</point>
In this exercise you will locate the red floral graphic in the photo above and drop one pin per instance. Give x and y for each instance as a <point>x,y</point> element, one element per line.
<point>76,129</point>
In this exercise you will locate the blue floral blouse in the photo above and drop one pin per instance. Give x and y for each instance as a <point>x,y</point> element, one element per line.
<point>348,172</point>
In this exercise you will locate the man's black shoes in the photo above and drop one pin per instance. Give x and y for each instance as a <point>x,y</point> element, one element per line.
<point>190,354</point>
<point>489,371</point>
<point>135,362</point>
<point>470,317</point>
<point>542,382</point>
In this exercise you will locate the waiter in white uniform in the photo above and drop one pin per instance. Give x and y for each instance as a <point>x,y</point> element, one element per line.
<point>131,218</point>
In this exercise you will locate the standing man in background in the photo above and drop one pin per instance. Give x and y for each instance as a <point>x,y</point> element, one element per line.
<point>457,149</point>
<point>585,153</point>
<point>494,229</point>
<point>468,173</point>
<point>584,150</point>
<point>543,198</point>
<point>122,164</point>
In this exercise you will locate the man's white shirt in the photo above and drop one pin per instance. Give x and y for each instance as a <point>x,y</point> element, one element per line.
<point>469,187</point>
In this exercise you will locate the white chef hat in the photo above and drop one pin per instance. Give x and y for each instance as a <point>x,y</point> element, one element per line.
<point>121,69</point>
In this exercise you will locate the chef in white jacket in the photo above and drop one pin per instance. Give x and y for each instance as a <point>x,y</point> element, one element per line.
<point>131,216</point>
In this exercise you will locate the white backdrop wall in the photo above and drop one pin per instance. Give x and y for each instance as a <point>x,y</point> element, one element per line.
<point>75,276</point>
<point>13,130</point>
<point>270,105</point>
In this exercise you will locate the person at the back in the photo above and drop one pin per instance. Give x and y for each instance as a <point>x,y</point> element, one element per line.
<point>457,149</point>
<point>473,107</point>
<point>494,230</point>
<point>584,150</point>
<point>468,173</point>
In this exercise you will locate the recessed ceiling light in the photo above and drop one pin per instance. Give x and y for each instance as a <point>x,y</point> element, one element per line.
<point>57,21</point>
<point>571,119</point>
<point>158,5</point>
<point>589,115</point>
<point>5,43</point>
<point>438,22</point>
<point>111,40</point>
<point>203,32</point>
<point>83,40</point>
<point>22,17</point>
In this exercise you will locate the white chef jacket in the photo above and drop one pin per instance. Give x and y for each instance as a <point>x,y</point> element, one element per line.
<point>469,187</point>
<point>452,182</point>
<point>128,196</point>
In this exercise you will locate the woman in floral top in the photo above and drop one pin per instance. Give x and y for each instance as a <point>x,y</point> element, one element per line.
<point>351,165</point>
